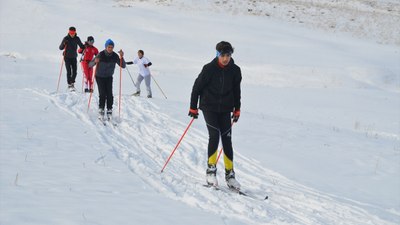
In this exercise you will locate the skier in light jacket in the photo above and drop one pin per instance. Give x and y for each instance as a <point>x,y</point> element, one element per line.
<point>144,72</point>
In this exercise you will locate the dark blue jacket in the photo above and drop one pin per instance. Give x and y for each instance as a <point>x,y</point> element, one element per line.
<point>71,44</point>
<point>107,63</point>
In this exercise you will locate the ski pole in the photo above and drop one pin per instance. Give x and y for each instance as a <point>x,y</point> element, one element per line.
<point>120,83</point>
<point>130,76</point>
<point>158,86</point>
<point>62,64</point>
<point>93,81</point>
<point>170,156</point>
<point>83,75</point>
<point>222,148</point>
<point>59,77</point>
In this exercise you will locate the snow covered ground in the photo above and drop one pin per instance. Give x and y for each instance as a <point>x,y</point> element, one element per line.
<point>372,19</point>
<point>319,131</point>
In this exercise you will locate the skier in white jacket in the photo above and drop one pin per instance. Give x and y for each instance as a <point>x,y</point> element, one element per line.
<point>144,72</point>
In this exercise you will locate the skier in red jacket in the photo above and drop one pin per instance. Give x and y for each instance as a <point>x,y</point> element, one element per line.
<point>88,53</point>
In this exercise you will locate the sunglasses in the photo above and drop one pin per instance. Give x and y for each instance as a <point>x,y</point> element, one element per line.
<point>226,54</point>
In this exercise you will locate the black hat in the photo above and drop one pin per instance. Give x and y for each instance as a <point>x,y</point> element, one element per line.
<point>224,47</point>
<point>90,39</point>
<point>72,29</point>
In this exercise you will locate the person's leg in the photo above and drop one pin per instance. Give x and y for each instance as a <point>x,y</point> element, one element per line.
<point>74,69</point>
<point>224,121</point>
<point>226,137</point>
<point>101,85</point>
<point>85,69</point>
<point>211,119</point>
<point>68,67</point>
<point>90,77</point>
<point>147,80</point>
<point>138,82</point>
<point>109,93</point>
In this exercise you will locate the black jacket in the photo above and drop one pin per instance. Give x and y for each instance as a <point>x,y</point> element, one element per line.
<point>72,45</point>
<point>106,66</point>
<point>218,88</point>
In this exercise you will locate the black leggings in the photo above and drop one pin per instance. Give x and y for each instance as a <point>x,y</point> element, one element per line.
<point>70,65</point>
<point>105,85</point>
<point>219,124</point>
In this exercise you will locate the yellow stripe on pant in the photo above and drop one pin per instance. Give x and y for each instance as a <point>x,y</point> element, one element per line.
<point>212,160</point>
<point>228,163</point>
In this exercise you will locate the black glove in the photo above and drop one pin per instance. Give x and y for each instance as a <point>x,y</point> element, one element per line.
<point>129,63</point>
<point>194,113</point>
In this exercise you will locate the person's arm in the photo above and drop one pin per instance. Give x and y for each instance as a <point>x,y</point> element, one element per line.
<point>63,44</point>
<point>148,63</point>
<point>94,61</point>
<point>80,50</point>
<point>80,43</point>
<point>120,62</point>
<point>198,87</point>
<point>236,96</point>
<point>237,90</point>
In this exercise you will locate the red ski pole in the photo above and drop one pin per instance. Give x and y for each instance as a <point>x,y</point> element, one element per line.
<point>120,84</point>
<point>170,156</point>
<point>83,75</point>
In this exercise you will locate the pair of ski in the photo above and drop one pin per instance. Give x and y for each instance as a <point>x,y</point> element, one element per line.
<point>104,121</point>
<point>237,191</point>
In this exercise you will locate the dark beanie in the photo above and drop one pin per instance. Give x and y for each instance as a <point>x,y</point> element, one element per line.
<point>72,29</point>
<point>224,47</point>
<point>90,39</point>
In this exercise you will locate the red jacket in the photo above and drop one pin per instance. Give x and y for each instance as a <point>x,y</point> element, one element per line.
<point>88,53</point>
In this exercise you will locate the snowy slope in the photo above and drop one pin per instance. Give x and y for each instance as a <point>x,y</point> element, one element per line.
<point>319,131</point>
<point>372,19</point>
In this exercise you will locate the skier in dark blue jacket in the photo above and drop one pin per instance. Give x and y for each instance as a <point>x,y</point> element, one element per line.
<point>106,61</point>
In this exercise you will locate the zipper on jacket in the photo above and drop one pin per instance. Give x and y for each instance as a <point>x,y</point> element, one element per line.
<point>222,90</point>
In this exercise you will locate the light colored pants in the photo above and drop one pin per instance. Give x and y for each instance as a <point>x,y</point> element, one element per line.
<point>147,80</point>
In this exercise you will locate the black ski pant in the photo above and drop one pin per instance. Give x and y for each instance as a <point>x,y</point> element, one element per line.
<point>105,85</point>
<point>219,125</point>
<point>71,66</point>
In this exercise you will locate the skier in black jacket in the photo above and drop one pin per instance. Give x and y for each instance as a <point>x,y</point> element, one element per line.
<point>106,61</point>
<point>70,44</point>
<point>218,87</point>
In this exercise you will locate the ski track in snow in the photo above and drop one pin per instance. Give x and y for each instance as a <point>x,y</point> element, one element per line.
<point>145,137</point>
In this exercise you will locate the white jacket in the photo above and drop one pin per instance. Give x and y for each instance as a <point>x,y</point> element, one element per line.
<point>144,71</point>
